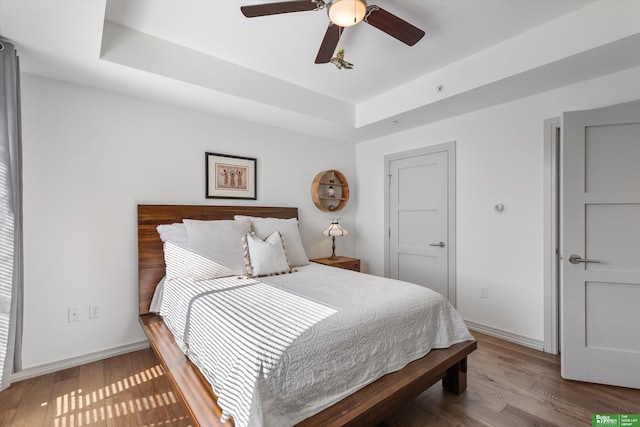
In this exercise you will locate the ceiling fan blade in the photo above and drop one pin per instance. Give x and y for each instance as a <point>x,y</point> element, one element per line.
<point>256,10</point>
<point>392,25</point>
<point>329,43</point>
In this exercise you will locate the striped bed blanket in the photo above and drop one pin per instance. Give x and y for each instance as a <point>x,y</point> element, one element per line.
<point>280,349</point>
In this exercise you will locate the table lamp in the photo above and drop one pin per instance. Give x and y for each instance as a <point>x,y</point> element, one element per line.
<point>334,230</point>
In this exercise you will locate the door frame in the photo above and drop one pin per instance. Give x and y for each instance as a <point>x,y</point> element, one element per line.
<point>551,245</point>
<point>450,149</point>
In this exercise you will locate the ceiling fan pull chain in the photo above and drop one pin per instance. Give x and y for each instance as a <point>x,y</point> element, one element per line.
<point>355,13</point>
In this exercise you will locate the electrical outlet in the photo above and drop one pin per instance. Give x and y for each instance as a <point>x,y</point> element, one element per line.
<point>94,311</point>
<point>74,315</point>
<point>483,291</point>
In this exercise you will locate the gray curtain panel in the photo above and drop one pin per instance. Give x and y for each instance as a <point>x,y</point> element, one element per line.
<point>11,269</point>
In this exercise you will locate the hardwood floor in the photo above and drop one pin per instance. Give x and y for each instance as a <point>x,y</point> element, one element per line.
<point>508,385</point>
<point>128,390</point>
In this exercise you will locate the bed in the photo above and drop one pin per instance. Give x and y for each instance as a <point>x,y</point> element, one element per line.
<point>363,407</point>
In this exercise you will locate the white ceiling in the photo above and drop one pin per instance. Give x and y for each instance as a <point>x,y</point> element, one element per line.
<point>206,55</point>
<point>285,46</point>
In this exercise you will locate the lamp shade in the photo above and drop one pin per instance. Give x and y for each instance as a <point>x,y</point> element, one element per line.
<point>346,13</point>
<point>334,230</point>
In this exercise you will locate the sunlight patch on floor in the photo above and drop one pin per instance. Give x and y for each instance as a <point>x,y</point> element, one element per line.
<point>80,408</point>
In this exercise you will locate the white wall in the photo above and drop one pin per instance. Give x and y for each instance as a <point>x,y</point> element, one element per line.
<point>499,160</point>
<point>90,157</point>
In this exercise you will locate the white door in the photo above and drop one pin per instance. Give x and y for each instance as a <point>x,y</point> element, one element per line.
<point>419,240</point>
<point>600,290</point>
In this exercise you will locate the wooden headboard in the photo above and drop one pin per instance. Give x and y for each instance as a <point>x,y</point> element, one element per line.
<point>151,268</point>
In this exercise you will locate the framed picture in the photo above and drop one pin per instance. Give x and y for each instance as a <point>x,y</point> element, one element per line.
<point>230,177</point>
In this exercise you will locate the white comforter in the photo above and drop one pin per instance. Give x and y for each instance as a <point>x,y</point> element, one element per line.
<point>280,349</point>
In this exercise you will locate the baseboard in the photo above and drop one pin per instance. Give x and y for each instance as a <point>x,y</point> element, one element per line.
<point>507,336</point>
<point>48,368</point>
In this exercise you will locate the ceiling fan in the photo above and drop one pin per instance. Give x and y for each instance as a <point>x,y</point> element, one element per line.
<point>342,13</point>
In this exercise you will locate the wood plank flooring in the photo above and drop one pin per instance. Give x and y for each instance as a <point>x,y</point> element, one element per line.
<point>508,385</point>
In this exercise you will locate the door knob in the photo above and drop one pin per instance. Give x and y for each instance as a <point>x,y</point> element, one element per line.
<point>441,244</point>
<point>575,259</point>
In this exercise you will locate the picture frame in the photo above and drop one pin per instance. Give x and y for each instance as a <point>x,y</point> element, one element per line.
<point>230,177</point>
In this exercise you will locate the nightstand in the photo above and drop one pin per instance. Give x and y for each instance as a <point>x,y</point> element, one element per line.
<point>342,262</point>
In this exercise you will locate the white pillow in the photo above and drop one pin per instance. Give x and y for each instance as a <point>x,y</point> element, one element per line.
<point>176,260</point>
<point>183,263</point>
<point>265,257</point>
<point>220,241</point>
<point>289,231</point>
<point>176,233</point>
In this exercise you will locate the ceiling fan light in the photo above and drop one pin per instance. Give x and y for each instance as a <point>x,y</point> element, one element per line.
<point>346,13</point>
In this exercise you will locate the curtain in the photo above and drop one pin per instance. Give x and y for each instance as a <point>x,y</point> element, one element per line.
<point>11,270</point>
